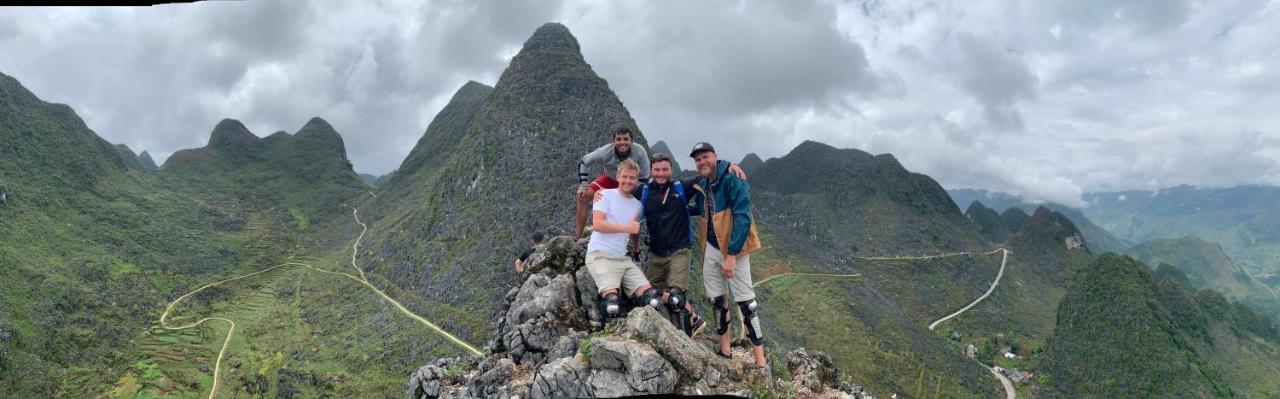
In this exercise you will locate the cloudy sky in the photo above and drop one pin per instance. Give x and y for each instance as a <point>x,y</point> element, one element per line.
<point>1047,98</point>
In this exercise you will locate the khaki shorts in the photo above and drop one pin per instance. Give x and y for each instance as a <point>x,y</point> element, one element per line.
<point>713,277</point>
<point>669,271</point>
<point>611,271</point>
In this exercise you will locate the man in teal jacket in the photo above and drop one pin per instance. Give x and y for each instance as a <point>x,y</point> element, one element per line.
<point>730,236</point>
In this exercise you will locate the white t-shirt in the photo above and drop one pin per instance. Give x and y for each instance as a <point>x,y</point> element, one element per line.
<point>617,209</point>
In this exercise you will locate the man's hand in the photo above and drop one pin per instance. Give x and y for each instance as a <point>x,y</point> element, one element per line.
<point>633,226</point>
<point>737,171</point>
<point>583,193</point>
<point>519,266</point>
<point>599,196</point>
<point>730,263</point>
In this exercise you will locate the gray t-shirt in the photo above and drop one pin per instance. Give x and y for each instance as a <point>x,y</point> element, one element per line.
<point>607,157</point>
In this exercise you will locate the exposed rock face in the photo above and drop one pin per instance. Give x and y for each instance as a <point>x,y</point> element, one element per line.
<point>550,343</point>
<point>513,147</point>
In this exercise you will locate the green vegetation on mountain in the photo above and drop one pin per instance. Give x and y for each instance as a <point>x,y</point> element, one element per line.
<point>819,209</point>
<point>1121,333</point>
<point>1096,351</point>
<point>1015,219</point>
<point>89,249</point>
<point>992,226</point>
<point>307,171</point>
<point>92,251</point>
<point>1099,239</point>
<point>130,159</point>
<point>872,339</point>
<point>1245,220</point>
<point>1206,266</point>
<point>1041,261</point>
<point>836,202</point>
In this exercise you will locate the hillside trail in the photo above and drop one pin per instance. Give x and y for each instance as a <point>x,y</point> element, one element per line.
<point>217,366</point>
<point>1010,393</point>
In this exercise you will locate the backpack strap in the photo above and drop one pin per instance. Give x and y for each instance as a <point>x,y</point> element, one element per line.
<point>680,192</point>
<point>685,202</point>
<point>644,199</point>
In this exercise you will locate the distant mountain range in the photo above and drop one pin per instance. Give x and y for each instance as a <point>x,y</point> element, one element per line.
<point>1245,220</point>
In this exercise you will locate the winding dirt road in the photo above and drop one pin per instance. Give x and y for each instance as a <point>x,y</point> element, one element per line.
<point>1010,393</point>
<point>217,365</point>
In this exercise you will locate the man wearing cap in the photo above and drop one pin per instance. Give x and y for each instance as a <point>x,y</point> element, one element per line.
<point>730,236</point>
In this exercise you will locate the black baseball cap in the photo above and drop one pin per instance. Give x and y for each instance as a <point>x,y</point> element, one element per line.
<point>700,147</point>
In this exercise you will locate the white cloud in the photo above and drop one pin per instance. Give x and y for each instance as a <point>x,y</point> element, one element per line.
<point>1043,99</point>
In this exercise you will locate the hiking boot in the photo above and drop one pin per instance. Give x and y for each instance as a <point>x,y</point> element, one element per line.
<point>698,325</point>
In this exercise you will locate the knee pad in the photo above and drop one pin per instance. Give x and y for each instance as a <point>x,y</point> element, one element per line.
<point>675,299</point>
<point>722,314</point>
<point>751,319</point>
<point>650,297</point>
<point>675,307</point>
<point>611,306</point>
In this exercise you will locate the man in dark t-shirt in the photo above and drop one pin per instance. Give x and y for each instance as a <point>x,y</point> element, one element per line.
<point>537,240</point>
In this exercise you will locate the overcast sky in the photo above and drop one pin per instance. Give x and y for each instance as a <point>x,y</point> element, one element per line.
<point>1043,98</point>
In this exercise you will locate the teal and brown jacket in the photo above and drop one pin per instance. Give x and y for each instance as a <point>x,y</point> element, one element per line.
<point>726,204</point>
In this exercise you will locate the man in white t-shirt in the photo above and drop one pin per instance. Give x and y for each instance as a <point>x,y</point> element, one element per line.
<point>613,220</point>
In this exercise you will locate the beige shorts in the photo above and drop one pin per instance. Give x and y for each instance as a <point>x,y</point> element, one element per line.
<point>669,271</point>
<point>611,271</point>
<point>713,277</point>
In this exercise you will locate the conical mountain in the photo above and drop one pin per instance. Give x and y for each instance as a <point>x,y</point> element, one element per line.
<point>129,159</point>
<point>751,163</point>
<point>448,128</point>
<point>989,223</point>
<point>231,135</point>
<point>148,164</point>
<point>660,147</point>
<point>1052,238</point>
<point>511,173</point>
<point>319,136</point>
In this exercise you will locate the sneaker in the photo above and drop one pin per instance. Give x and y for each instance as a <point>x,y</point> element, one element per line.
<point>698,325</point>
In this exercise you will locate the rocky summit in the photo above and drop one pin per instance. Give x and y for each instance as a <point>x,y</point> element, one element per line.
<point>550,342</point>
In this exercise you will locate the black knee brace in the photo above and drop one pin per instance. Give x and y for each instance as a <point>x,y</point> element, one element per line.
<point>609,306</point>
<point>751,319</point>
<point>650,297</point>
<point>722,314</point>
<point>675,307</point>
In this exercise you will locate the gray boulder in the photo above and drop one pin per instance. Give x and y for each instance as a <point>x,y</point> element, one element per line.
<point>551,343</point>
